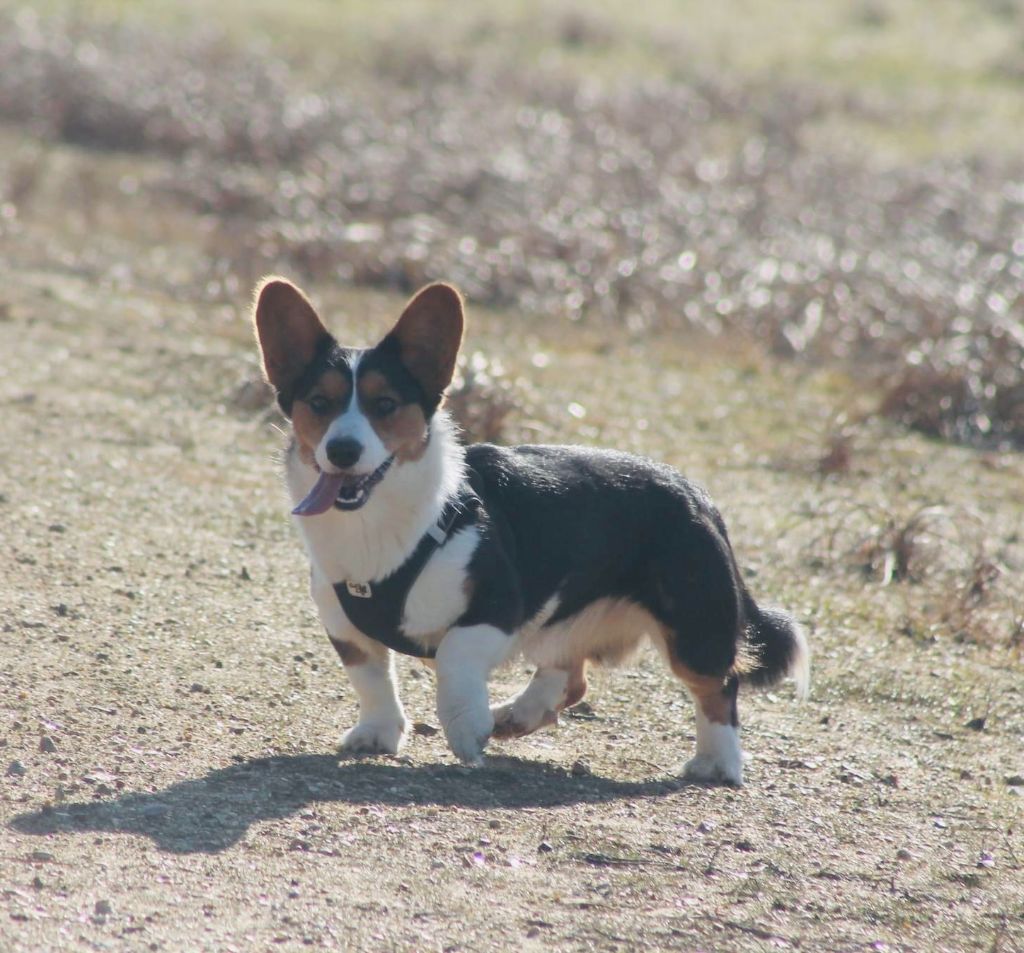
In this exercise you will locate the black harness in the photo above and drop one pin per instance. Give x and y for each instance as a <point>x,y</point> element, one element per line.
<point>375,609</point>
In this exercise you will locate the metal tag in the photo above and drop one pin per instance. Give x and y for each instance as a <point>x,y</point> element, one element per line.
<point>361,590</point>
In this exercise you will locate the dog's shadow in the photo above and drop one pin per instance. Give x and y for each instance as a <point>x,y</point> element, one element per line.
<point>210,814</point>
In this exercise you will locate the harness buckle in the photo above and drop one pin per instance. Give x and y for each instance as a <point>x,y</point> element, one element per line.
<point>361,590</point>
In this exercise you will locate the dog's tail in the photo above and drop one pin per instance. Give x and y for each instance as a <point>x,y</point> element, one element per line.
<point>776,647</point>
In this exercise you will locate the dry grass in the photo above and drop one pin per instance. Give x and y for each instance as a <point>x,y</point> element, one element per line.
<point>702,203</point>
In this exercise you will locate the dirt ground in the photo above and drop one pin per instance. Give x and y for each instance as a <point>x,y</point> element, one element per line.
<point>170,709</point>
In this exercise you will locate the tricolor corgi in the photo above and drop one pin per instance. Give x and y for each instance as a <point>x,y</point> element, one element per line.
<point>467,556</point>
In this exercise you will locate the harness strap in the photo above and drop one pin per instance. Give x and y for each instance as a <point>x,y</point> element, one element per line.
<point>375,609</point>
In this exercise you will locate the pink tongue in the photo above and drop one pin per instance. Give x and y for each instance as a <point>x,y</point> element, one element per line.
<point>321,497</point>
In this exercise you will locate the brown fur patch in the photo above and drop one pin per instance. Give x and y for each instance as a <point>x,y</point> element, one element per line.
<point>350,654</point>
<point>710,692</point>
<point>576,687</point>
<point>404,431</point>
<point>310,427</point>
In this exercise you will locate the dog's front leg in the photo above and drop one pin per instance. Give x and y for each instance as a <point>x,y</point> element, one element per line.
<point>370,667</point>
<point>465,659</point>
<point>381,725</point>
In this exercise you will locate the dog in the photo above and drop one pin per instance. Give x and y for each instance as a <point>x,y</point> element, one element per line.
<point>466,556</point>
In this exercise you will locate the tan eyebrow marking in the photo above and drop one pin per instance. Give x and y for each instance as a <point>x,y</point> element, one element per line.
<point>403,432</point>
<point>309,427</point>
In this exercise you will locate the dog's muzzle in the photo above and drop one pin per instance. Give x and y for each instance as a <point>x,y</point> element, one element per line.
<point>343,491</point>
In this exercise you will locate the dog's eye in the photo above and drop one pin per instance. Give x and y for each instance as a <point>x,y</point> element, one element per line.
<point>383,406</point>
<point>319,404</point>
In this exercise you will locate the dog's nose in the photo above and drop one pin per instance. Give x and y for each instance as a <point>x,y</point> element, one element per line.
<point>343,452</point>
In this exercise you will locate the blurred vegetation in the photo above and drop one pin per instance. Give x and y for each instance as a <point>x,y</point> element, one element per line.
<point>835,180</point>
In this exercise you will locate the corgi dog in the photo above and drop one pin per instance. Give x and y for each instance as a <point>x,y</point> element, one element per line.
<point>466,556</point>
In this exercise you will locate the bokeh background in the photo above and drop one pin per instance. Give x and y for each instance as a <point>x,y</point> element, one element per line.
<point>840,181</point>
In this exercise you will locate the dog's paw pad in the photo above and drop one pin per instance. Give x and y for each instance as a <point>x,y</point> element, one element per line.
<point>373,738</point>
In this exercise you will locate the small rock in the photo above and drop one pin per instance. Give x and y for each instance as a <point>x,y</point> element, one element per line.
<point>37,883</point>
<point>976,724</point>
<point>1015,780</point>
<point>244,575</point>
<point>580,769</point>
<point>582,711</point>
<point>904,854</point>
<point>16,770</point>
<point>47,745</point>
<point>57,528</point>
<point>103,908</point>
<point>43,856</point>
<point>422,728</point>
<point>544,847</point>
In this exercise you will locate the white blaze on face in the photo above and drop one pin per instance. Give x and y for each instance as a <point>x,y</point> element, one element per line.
<point>353,424</point>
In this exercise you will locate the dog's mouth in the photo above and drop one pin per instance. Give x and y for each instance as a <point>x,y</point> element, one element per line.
<point>343,491</point>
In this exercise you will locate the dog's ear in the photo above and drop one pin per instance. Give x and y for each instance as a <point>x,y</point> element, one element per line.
<point>429,334</point>
<point>289,332</point>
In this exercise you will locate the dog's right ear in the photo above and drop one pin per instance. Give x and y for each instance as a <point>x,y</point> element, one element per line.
<point>289,332</point>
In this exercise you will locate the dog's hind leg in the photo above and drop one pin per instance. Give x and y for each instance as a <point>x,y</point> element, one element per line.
<point>719,757</point>
<point>370,667</point>
<point>549,691</point>
<point>697,595</point>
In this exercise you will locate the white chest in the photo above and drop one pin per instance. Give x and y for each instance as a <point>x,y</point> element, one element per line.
<point>440,593</point>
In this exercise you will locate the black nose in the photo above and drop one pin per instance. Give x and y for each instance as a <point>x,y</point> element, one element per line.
<point>343,452</point>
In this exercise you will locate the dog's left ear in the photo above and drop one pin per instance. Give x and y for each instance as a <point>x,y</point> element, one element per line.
<point>428,335</point>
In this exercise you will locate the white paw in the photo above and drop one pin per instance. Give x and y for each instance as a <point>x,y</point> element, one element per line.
<point>374,737</point>
<point>714,769</point>
<point>512,721</point>
<point>467,734</point>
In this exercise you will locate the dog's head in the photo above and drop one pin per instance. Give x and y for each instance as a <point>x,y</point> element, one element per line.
<point>356,412</point>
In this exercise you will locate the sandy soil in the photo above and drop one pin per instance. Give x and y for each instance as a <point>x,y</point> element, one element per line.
<point>171,710</point>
